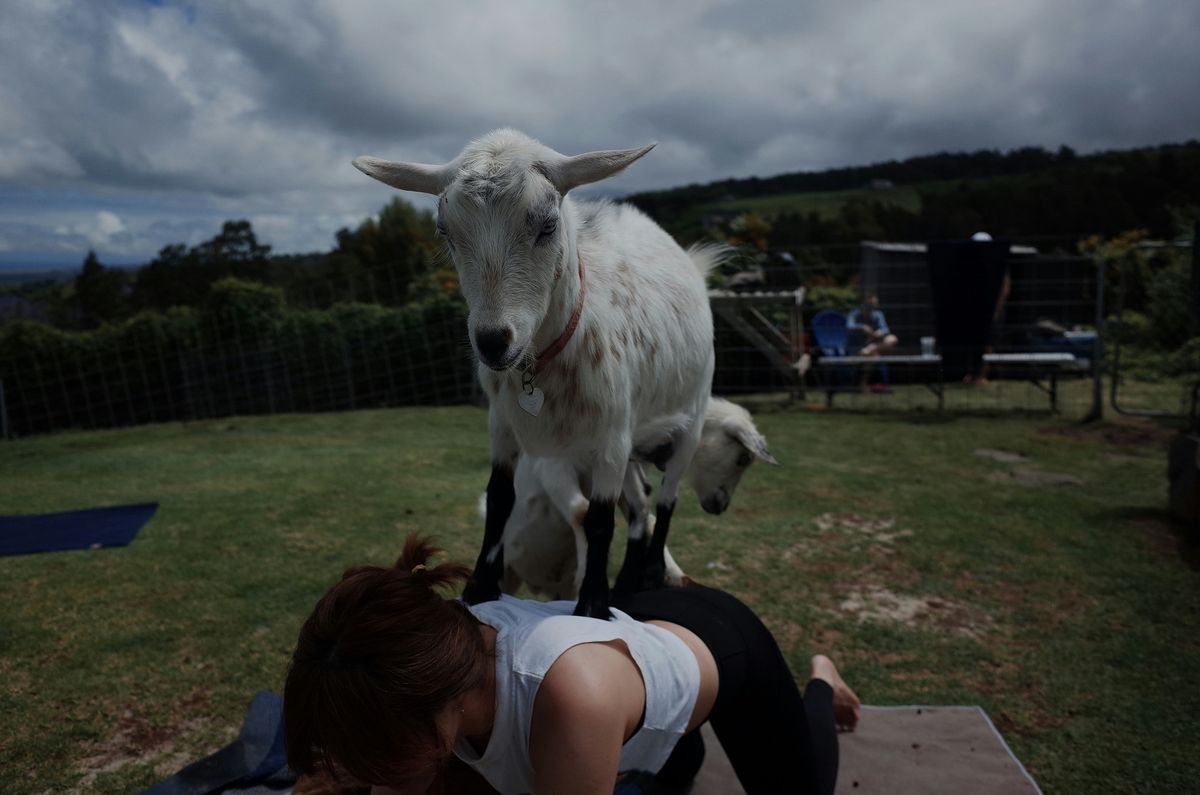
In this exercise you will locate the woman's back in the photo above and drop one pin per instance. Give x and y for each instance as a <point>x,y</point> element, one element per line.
<point>531,637</point>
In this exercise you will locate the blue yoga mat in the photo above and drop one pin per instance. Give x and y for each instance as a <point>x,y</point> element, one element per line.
<point>88,529</point>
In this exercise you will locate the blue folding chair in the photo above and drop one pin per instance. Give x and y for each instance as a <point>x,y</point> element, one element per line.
<point>830,333</point>
<point>829,330</point>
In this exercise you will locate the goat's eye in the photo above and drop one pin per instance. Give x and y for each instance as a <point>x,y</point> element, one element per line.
<point>744,460</point>
<point>444,234</point>
<point>548,228</point>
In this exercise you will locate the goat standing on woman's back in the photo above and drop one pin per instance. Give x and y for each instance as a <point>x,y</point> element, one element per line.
<point>593,332</point>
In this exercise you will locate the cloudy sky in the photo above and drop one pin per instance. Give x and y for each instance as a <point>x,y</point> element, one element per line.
<point>128,125</point>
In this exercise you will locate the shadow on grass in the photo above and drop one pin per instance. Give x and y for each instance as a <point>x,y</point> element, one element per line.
<point>1170,536</point>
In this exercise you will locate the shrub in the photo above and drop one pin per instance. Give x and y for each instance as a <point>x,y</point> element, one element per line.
<point>841,299</point>
<point>244,351</point>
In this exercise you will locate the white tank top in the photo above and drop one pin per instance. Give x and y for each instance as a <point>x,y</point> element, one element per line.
<point>530,636</point>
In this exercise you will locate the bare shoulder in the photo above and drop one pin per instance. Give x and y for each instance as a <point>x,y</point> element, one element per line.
<point>590,678</point>
<point>595,682</point>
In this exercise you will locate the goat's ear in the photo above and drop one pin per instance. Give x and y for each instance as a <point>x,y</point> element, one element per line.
<point>406,176</point>
<point>571,172</point>
<point>756,444</point>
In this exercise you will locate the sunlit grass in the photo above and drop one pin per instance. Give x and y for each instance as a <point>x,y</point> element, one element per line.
<point>933,574</point>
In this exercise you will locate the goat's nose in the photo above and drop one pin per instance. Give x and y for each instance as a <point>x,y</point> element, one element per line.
<point>492,344</point>
<point>716,503</point>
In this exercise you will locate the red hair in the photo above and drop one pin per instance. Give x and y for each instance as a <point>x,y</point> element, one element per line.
<point>381,655</point>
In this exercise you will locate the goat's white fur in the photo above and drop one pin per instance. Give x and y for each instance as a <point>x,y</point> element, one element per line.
<point>641,358</point>
<point>544,545</point>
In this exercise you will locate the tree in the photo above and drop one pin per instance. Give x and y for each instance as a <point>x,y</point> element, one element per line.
<point>99,292</point>
<point>180,276</point>
<point>235,249</point>
<point>396,249</point>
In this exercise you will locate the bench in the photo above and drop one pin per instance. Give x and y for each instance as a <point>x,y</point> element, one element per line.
<point>1038,367</point>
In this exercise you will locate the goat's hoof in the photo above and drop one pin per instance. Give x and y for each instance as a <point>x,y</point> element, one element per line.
<point>477,593</point>
<point>593,608</point>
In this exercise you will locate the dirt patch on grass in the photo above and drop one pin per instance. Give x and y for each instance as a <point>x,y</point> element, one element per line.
<point>879,604</point>
<point>1036,477</point>
<point>1002,456</point>
<point>135,740</point>
<point>1127,435</point>
<point>880,531</point>
<point>848,535</point>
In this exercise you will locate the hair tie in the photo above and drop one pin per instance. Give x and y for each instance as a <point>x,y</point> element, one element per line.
<point>418,567</point>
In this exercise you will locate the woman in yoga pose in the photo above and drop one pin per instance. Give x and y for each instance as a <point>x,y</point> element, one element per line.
<point>389,679</point>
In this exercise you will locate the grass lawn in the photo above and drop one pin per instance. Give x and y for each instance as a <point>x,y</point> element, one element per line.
<point>1065,606</point>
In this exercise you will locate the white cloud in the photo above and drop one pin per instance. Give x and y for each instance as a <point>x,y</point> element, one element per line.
<point>190,113</point>
<point>105,227</point>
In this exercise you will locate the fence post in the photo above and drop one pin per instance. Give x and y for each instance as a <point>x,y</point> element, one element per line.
<point>3,413</point>
<point>1096,412</point>
<point>1195,279</point>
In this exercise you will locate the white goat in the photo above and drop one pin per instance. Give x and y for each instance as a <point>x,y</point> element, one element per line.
<point>592,328</point>
<point>544,544</point>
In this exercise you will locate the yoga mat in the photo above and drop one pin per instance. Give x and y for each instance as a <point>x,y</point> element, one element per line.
<point>904,751</point>
<point>895,750</point>
<point>87,529</point>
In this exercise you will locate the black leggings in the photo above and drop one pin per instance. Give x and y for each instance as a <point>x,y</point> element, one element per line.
<point>775,740</point>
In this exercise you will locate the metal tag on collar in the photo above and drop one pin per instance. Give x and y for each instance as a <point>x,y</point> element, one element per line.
<point>531,397</point>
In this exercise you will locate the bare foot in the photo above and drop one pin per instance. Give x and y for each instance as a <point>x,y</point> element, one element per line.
<point>846,706</point>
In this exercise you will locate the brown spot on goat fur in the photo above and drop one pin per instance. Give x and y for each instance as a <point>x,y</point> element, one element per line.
<point>587,409</point>
<point>577,519</point>
<point>570,384</point>
<point>590,338</point>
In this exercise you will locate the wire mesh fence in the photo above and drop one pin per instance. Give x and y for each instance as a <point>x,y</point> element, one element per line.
<point>1028,330</point>
<point>233,359</point>
<point>1035,315</point>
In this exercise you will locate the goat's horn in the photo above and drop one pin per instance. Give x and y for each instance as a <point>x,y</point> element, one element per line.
<point>571,172</point>
<point>405,176</point>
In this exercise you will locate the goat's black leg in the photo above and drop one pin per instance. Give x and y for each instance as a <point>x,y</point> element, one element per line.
<point>655,570</point>
<point>489,566</point>
<point>598,527</point>
<point>629,579</point>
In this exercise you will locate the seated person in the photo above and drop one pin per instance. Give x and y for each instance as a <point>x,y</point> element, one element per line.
<point>868,328</point>
<point>389,679</point>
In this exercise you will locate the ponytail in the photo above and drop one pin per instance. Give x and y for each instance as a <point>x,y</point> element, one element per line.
<point>413,561</point>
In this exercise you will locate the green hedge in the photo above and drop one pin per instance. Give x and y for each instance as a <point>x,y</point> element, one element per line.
<point>244,351</point>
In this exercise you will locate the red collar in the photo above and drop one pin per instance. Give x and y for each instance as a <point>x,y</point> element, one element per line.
<point>544,358</point>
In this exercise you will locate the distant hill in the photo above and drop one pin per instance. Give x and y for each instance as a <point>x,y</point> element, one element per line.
<point>1022,193</point>
<point>48,275</point>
